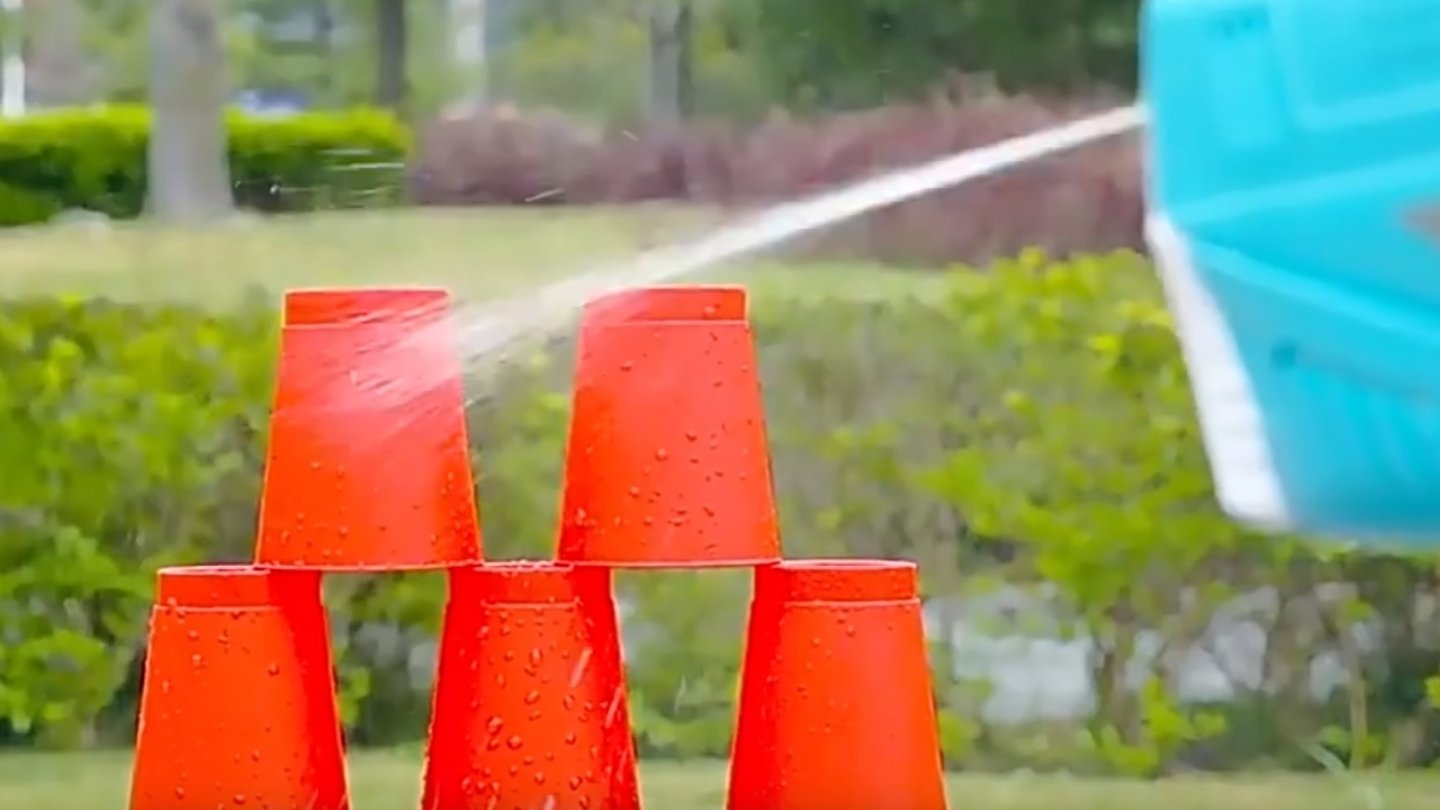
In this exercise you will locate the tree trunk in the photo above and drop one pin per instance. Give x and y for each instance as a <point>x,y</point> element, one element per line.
<point>392,86</point>
<point>61,68</point>
<point>189,178</point>
<point>324,43</point>
<point>1116,704</point>
<point>13,60</point>
<point>467,50</point>
<point>671,80</point>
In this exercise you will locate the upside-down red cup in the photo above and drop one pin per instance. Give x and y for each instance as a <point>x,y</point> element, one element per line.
<point>529,708</point>
<point>238,705</point>
<point>667,463</point>
<point>368,464</point>
<point>836,708</point>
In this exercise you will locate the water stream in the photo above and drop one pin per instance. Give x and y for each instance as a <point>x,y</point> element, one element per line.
<point>489,328</point>
<point>490,332</point>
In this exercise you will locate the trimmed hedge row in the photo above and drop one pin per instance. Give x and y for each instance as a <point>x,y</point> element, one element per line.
<point>95,159</point>
<point>1087,200</point>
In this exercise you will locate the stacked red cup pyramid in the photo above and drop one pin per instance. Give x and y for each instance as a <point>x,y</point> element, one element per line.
<point>667,466</point>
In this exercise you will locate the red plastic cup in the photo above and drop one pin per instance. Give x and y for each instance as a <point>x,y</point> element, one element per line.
<point>667,463</point>
<point>530,708</point>
<point>836,708</point>
<point>238,705</point>
<point>368,466</point>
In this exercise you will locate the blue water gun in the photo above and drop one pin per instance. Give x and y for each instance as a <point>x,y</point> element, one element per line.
<point>1293,157</point>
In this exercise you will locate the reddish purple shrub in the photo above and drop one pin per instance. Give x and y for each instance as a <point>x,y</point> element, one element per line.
<point>499,157</point>
<point>1087,200</point>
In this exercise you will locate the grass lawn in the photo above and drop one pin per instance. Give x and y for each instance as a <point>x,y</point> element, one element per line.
<point>478,254</point>
<point>388,781</point>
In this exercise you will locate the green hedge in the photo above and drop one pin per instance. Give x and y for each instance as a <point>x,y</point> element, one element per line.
<point>94,159</point>
<point>1030,426</point>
